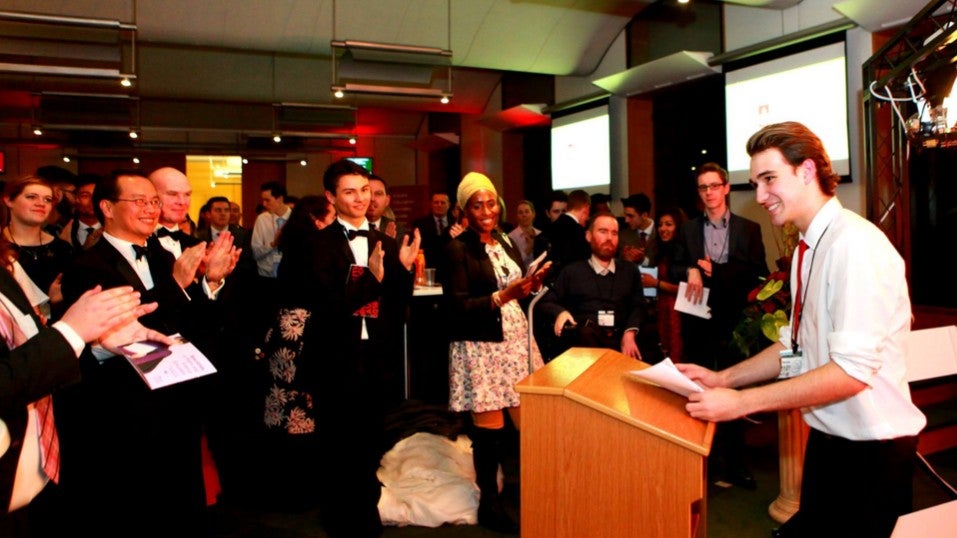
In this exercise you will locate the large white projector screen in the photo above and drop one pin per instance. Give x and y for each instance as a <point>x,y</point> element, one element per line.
<point>809,87</point>
<point>581,150</point>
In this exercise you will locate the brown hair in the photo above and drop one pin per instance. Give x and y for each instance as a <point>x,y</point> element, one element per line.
<point>796,143</point>
<point>17,186</point>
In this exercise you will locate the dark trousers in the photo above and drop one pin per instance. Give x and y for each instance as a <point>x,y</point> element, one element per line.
<point>853,488</point>
<point>351,429</point>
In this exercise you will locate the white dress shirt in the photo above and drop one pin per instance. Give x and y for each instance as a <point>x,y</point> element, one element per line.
<point>360,251</point>
<point>264,234</point>
<point>856,314</point>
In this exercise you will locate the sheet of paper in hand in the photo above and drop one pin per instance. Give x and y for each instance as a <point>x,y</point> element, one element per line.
<point>665,374</point>
<point>370,309</point>
<point>160,365</point>
<point>682,304</point>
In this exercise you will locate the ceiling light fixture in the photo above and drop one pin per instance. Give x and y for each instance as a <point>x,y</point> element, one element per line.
<point>136,160</point>
<point>352,140</point>
<point>126,82</point>
<point>444,100</point>
<point>133,134</point>
<point>37,130</point>
<point>339,94</point>
<point>66,158</point>
<point>245,160</point>
<point>276,138</point>
<point>302,162</point>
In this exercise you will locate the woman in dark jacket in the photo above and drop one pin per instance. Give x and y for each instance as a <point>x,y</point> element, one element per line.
<point>490,350</point>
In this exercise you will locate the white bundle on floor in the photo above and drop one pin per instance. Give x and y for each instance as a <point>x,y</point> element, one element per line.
<point>428,480</point>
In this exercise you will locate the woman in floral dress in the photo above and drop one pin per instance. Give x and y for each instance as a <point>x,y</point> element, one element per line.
<point>489,350</point>
<point>289,413</point>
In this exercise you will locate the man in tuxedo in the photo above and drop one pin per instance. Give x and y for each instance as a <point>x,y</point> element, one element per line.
<point>83,230</point>
<point>378,203</point>
<point>175,192</point>
<point>36,360</point>
<point>725,253</point>
<point>363,282</point>
<point>131,453</point>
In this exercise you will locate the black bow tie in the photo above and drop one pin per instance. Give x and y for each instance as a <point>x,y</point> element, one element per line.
<point>352,234</point>
<point>178,235</point>
<point>141,252</point>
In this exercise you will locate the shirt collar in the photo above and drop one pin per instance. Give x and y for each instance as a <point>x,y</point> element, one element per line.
<point>347,226</point>
<point>722,221</point>
<point>821,221</point>
<point>648,230</point>
<point>124,247</point>
<point>599,270</point>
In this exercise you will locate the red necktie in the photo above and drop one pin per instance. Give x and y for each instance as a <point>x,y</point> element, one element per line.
<point>49,441</point>
<point>798,297</point>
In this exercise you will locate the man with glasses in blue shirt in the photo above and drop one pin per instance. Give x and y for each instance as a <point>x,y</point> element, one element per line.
<point>725,253</point>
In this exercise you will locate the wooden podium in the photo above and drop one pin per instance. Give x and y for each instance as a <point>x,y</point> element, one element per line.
<point>604,455</point>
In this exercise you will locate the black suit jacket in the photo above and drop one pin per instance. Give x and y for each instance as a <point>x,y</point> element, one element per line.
<point>566,243</point>
<point>433,243</point>
<point>729,282</point>
<point>129,452</point>
<point>469,284</point>
<point>41,365</point>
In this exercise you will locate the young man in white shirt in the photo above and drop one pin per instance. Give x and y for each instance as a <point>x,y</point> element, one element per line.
<point>842,358</point>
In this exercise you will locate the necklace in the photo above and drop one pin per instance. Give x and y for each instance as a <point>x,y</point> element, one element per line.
<point>33,251</point>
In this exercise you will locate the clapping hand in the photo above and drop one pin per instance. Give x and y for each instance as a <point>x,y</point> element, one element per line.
<point>408,251</point>
<point>377,261</point>
<point>187,265</point>
<point>220,259</point>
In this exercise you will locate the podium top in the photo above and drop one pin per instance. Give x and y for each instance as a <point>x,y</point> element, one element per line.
<point>596,378</point>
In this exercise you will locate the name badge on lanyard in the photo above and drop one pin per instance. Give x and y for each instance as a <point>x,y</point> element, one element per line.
<point>791,362</point>
<point>606,318</point>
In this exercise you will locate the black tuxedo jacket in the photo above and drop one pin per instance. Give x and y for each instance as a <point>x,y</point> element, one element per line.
<point>41,365</point>
<point>433,243</point>
<point>349,361</point>
<point>129,452</point>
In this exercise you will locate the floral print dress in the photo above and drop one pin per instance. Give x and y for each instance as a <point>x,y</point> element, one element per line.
<point>288,406</point>
<point>482,375</point>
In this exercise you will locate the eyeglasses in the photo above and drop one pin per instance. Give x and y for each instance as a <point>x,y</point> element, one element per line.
<point>142,202</point>
<point>710,187</point>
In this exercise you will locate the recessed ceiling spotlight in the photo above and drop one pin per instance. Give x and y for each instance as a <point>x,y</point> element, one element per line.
<point>245,160</point>
<point>352,140</point>
<point>339,94</point>
<point>276,138</point>
<point>444,100</point>
<point>133,134</point>
<point>302,162</point>
<point>66,158</point>
<point>136,160</point>
<point>37,130</point>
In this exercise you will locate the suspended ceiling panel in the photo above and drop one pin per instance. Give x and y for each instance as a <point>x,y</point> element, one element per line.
<point>875,16</point>
<point>654,75</point>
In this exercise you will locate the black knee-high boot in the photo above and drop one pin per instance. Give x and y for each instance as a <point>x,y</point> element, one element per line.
<point>486,455</point>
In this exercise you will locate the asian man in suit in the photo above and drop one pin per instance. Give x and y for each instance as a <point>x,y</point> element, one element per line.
<point>135,454</point>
